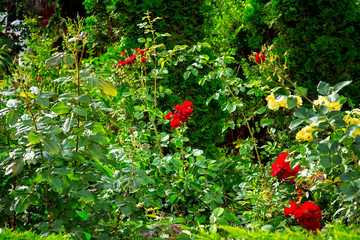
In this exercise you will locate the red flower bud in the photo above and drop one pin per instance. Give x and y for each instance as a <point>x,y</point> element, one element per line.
<point>260,57</point>
<point>123,52</point>
<point>168,116</point>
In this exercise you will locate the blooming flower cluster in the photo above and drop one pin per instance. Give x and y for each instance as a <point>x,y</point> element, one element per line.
<point>131,59</point>
<point>182,114</point>
<point>275,105</point>
<point>282,168</point>
<point>306,133</point>
<point>333,106</point>
<point>308,214</point>
<point>260,57</point>
<point>353,118</point>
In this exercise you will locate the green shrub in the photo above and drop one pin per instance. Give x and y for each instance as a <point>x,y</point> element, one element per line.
<point>320,38</point>
<point>9,234</point>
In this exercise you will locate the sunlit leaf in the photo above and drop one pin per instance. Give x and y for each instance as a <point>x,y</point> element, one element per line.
<point>108,88</point>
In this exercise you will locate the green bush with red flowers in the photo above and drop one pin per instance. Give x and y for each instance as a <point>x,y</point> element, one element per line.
<point>92,150</point>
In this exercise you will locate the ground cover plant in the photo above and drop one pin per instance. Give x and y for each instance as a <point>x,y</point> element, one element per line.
<point>148,139</point>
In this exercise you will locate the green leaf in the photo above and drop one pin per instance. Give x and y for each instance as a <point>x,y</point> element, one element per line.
<point>300,90</point>
<point>80,111</point>
<point>295,123</point>
<point>334,97</point>
<point>303,113</point>
<point>335,146</point>
<point>86,196</point>
<point>197,152</point>
<point>54,61</point>
<point>69,60</point>
<point>339,86</point>
<point>202,219</point>
<point>93,82</point>
<point>173,198</point>
<point>139,115</point>
<point>347,188</point>
<point>187,75</point>
<point>95,151</point>
<point>60,108</point>
<point>281,94</point>
<point>108,88</point>
<point>222,221</point>
<point>61,171</point>
<point>218,212</point>
<point>99,138</point>
<point>51,147</point>
<point>323,88</point>
<point>34,138</point>
<point>195,71</point>
<point>84,73</point>
<point>126,210</point>
<point>337,159</point>
<point>325,161</point>
<point>56,184</point>
<point>231,217</point>
<point>267,228</point>
<point>85,98</point>
<point>346,177</point>
<point>44,102</point>
<point>141,40</point>
<point>323,148</point>
<point>87,235</point>
<point>291,102</point>
<point>69,123</point>
<point>12,116</point>
<point>109,172</point>
<point>231,107</point>
<point>20,205</point>
<point>82,214</point>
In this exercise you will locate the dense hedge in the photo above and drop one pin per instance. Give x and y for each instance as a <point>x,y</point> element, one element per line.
<point>9,234</point>
<point>320,38</point>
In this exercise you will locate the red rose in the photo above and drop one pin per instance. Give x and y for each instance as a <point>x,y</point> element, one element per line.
<point>123,52</point>
<point>168,116</point>
<point>39,79</point>
<point>282,168</point>
<point>290,210</point>
<point>121,63</point>
<point>298,213</point>
<point>132,58</point>
<point>188,104</point>
<point>142,51</point>
<point>183,118</point>
<point>312,208</point>
<point>308,215</point>
<point>315,226</point>
<point>176,116</point>
<point>178,107</point>
<point>187,111</point>
<point>143,59</point>
<point>306,219</point>
<point>174,124</point>
<point>260,57</point>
